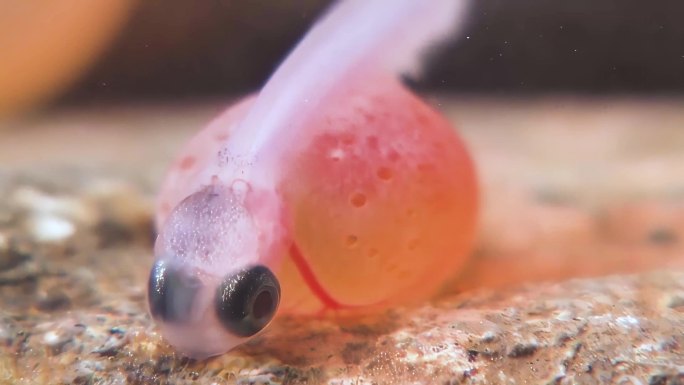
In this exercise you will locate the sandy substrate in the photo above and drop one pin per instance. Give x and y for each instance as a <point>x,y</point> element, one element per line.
<point>578,276</point>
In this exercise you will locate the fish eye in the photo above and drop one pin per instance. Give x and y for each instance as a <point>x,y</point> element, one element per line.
<point>170,293</point>
<point>247,300</point>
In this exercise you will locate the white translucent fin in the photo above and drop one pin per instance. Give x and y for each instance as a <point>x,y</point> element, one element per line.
<point>355,41</point>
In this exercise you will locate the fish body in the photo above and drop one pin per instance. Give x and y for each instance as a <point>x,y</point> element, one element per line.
<point>333,189</point>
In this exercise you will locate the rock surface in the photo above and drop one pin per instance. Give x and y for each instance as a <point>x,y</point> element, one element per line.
<point>578,276</point>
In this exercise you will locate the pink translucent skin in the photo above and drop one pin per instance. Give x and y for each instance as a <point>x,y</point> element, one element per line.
<point>353,191</point>
<point>189,170</point>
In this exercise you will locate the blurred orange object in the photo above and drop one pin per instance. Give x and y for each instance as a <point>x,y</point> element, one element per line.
<point>46,45</point>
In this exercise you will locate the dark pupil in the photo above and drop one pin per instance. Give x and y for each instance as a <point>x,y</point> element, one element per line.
<point>263,305</point>
<point>247,301</point>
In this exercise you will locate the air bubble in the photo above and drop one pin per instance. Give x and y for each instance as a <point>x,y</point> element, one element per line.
<point>352,240</point>
<point>358,199</point>
<point>385,173</point>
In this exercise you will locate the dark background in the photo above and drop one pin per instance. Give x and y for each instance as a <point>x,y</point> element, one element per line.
<point>177,49</point>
